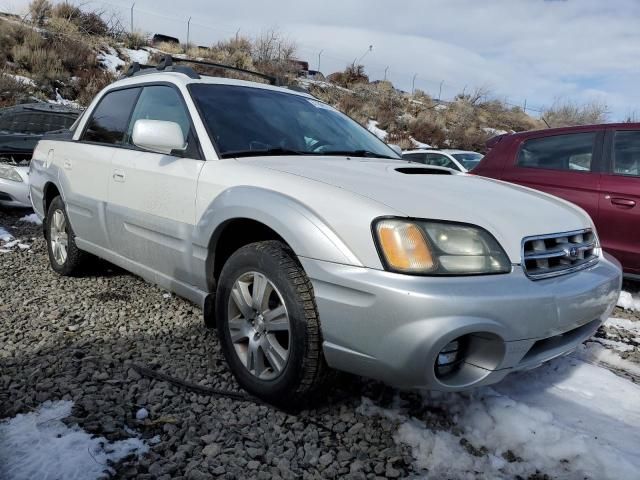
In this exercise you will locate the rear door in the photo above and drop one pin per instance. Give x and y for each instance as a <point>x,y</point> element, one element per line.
<point>152,196</point>
<point>619,216</point>
<point>566,165</point>
<point>84,165</point>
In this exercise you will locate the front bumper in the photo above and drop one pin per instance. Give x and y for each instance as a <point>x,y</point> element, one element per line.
<point>391,327</point>
<point>15,194</point>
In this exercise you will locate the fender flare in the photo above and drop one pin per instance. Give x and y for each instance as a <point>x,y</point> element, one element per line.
<point>303,229</point>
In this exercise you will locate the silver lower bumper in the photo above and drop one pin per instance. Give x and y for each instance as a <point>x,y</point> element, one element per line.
<point>391,327</point>
<point>14,194</point>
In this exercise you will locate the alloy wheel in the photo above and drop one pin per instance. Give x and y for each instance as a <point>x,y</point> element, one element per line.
<point>259,325</point>
<point>59,237</point>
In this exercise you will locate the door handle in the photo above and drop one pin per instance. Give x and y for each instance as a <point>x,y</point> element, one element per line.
<point>118,176</point>
<point>623,202</point>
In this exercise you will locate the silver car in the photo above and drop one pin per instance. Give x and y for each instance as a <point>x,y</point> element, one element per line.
<point>310,245</point>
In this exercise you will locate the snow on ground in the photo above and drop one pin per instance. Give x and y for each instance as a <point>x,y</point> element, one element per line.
<point>39,445</point>
<point>372,126</point>
<point>628,301</point>
<point>31,218</point>
<point>5,236</point>
<point>418,144</point>
<point>572,418</point>
<point>110,60</point>
<point>494,131</point>
<point>568,419</point>
<point>141,56</point>
<point>22,79</point>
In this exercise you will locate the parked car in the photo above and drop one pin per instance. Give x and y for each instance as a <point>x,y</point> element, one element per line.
<point>311,245</point>
<point>21,127</point>
<point>461,160</point>
<point>596,167</point>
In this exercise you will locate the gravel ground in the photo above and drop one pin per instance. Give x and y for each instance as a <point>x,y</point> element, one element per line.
<point>77,339</point>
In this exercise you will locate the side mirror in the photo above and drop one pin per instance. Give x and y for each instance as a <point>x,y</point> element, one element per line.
<point>158,136</point>
<point>395,148</point>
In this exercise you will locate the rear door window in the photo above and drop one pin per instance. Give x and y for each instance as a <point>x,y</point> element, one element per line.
<point>110,119</point>
<point>572,152</point>
<point>626,153</point>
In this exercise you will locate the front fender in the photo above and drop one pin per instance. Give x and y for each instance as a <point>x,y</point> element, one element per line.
<point>303,229</point>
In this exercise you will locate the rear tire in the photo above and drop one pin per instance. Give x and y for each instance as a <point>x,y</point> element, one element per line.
<point>268,324</point>
<point>64,256</point>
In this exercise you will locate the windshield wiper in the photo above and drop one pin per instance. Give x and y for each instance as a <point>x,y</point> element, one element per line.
<point>260,152</point>
<point>357,153</point>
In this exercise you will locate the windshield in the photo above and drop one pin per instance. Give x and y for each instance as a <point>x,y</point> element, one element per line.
<point>248,121</point>
<point>468,160</point>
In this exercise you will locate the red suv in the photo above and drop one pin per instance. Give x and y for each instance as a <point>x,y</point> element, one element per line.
<point>596,167</point>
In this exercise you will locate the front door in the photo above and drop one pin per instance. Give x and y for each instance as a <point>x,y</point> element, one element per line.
<point>619,216</point>
<point>152,196</point>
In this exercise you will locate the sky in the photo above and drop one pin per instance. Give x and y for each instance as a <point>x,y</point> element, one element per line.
<point>538,51</point>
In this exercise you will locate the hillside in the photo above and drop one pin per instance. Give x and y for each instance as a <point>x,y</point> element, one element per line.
<point>65,55</point>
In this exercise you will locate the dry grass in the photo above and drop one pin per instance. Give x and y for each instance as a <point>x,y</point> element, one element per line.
<point>11,90</point>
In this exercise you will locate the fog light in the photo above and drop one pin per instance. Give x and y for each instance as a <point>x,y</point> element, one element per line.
<point>450,357</point>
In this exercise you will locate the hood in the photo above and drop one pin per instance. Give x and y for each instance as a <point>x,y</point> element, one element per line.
<point>509,212</point>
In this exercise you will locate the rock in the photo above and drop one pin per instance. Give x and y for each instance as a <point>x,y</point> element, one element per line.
<point>211,450</point>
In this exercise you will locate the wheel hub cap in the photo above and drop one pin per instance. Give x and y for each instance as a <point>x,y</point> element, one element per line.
<point>258,324</point>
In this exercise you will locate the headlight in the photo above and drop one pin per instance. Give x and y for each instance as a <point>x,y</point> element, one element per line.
<point>438,248</point>
<point>10,173</point>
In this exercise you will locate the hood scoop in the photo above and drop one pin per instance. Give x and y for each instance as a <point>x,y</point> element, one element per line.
<point>424,171</point>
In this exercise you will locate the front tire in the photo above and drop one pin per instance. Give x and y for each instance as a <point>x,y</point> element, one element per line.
<point>64,256</point>
<point>268,324</point>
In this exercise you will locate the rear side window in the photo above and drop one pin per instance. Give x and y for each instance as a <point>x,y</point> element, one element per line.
<point>572,152</point>
<point>626,153</point>
<point>110,119</point>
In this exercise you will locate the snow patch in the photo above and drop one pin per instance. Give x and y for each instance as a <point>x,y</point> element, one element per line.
<point>598,354</point>
<point>141,56</point>
<point>628,301</point>
<point>40,445</point>
<point>5,236</point>
<point>32,218</point>
<point>624,324</point>
<point>568,418</point>
<point>372,126</point>
<point>494,132</point>
<point>418,144</point>
<point>22,79</point>
<point>110,60</point>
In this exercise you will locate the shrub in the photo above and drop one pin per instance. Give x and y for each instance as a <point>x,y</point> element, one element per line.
<point>568,113</point>
<point>11,90</point>
<point>135,40</point>
<point>89,23</point>
<point>44,64</point>
<point>90,82</point>
<point>425,129</point>
<point>39,11</point>
<point>170,48</point>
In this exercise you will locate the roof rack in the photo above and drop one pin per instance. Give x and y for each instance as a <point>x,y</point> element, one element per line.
<point>166,65</point>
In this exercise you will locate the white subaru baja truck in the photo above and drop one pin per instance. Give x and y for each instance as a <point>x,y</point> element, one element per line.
<point>310,244</point>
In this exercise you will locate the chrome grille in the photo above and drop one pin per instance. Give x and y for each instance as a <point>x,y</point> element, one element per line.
<point>545,256</point>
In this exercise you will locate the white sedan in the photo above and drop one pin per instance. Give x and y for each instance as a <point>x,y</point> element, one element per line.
<point>461,160</point>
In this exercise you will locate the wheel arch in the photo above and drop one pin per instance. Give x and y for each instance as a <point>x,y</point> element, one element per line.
<point>243,215</point>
